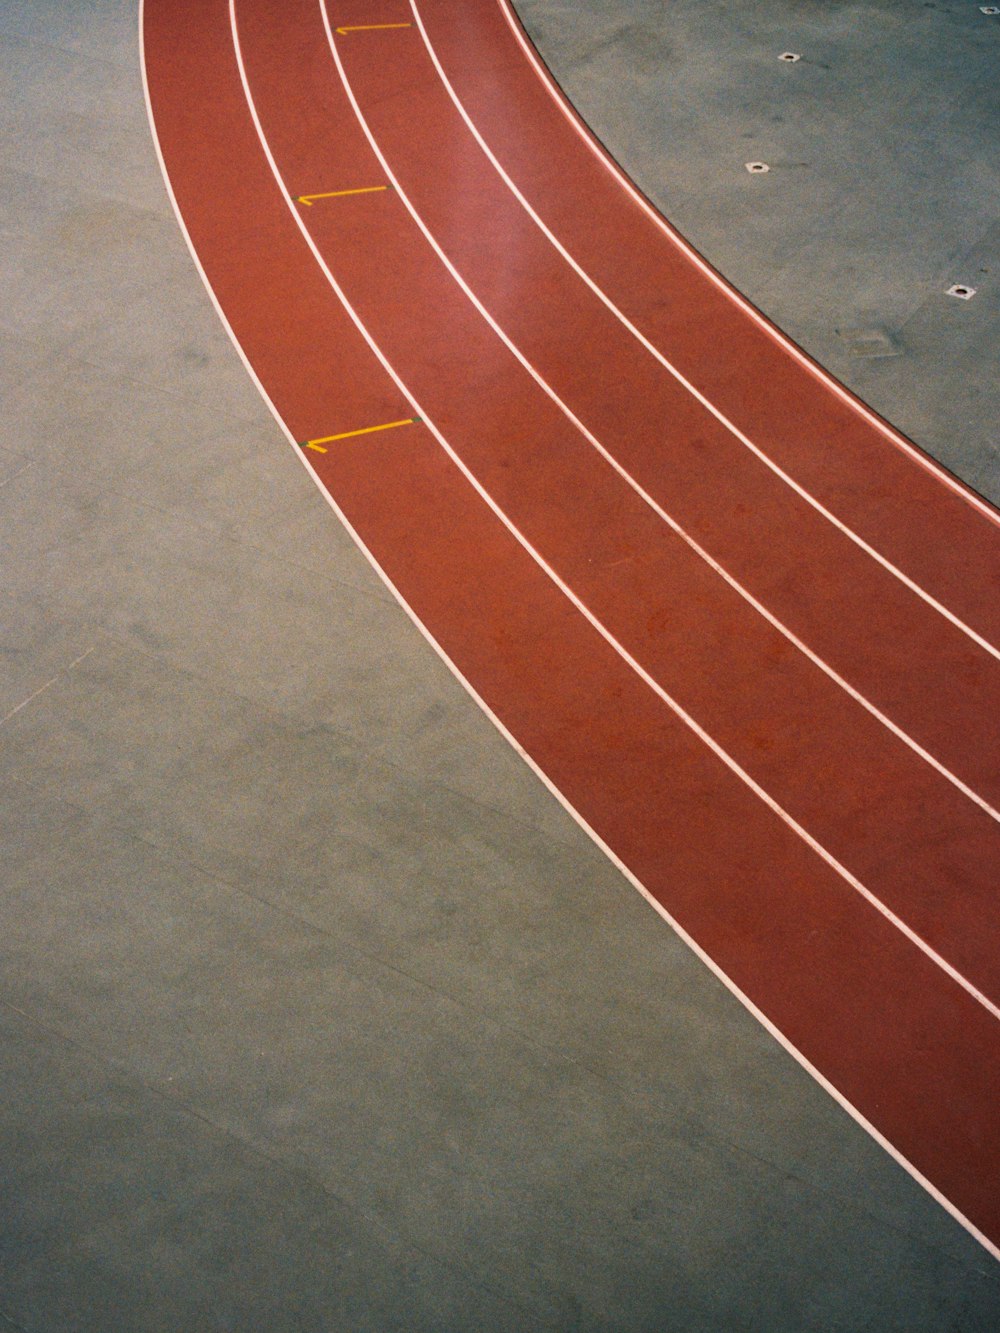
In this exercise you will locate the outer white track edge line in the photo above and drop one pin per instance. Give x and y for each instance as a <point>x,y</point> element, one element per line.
<point>565,589</point>
<point>626,476</point>
<point>778,1036</point>
<point>547,78</point>
<point>685,383</point>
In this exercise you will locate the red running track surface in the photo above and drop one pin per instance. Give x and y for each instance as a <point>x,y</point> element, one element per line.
<point>748,634</point>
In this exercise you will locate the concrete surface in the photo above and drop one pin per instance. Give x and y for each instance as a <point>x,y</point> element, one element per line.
<point>317,1011</point>
<point>883,189</point>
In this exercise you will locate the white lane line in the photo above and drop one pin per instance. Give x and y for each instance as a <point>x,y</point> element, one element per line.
<point>661,513</point>
<point>710,407</point>
<point>565,589</point>
<point>677,240</point>
<point>511,739</point>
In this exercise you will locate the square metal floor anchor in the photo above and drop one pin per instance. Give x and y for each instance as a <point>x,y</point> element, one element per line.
<point>869,342</point>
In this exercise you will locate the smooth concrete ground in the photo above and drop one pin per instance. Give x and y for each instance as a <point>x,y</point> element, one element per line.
<point>883,189</point>
<point>318,1012</point>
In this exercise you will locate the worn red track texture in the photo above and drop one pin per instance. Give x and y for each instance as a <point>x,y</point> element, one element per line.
<point>906,1042</point>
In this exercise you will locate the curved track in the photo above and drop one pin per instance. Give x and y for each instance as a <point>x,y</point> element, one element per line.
<point>748,634</point>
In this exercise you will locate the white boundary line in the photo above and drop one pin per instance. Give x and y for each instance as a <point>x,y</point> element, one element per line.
<point>609,458</point>
<point>681,379</point>
<point>815,369</point>
<point>692,944</point>
<point>564,587</point>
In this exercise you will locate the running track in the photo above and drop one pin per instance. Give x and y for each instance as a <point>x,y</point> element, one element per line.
<point>749,635</point>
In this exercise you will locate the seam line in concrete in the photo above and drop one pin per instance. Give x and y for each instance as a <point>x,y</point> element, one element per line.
<point>253,1147</point>
<point>42,688</point>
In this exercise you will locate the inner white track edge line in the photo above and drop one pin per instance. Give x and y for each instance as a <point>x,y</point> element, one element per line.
<point>677,240</point>
<point>765,1022</point>
<point>710,407</point>
<point>609,458</point>
<point>565,589</point>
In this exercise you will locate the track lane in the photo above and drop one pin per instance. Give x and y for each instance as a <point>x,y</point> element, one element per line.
<point>666,517</point>
<point>857,791</point>
<point>878,640</point>
<point>658,804</point>
<point>637,260</point>
<point>393,183</point>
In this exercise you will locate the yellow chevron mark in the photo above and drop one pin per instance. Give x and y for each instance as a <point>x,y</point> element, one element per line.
<point>317,445</point>
<point>371,27</point>
<point>310,199</point>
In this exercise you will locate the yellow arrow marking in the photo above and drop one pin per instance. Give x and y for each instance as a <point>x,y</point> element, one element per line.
<point>371,27</point>
<point>307,199</point>
<point>317,445</point>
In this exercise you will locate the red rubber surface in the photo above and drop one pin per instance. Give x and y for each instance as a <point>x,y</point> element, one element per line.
<point>897,1037</point>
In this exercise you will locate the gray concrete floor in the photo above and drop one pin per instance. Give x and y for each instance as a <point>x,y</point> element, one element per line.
<point>318,1012</point>
<point>883,189</point>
